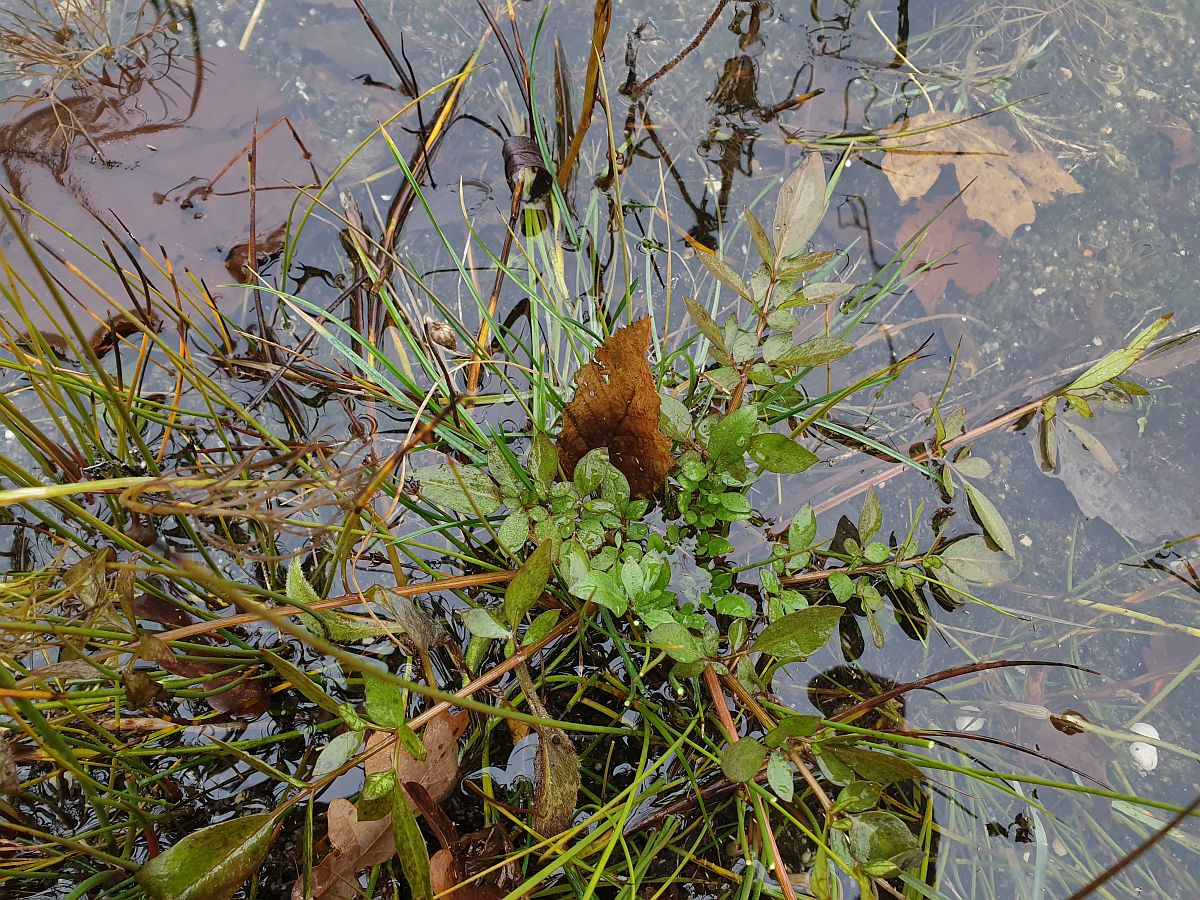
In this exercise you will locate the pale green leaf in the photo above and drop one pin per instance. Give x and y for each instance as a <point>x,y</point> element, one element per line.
<point>721,271</point>
<point>800,207</point>
<point>779,776</point>
<point>461,488</point>
<point>989,517</point>
<point>710,329</point>
<point>779,453</point>
<point>815,352</point>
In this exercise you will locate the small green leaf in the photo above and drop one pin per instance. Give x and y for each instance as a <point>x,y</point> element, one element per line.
<point>779,453</point>
<point>821,292</point>
<point>972,561</point>
<point>870,518</point>
<point>461,488</point>
<point>541,626</point>
<point>876,553</point>
<point>841,585</point>
<point>527,587</point>
<point>481,623</point>
<point>590,471</point>
<point>601,588</point>
<point>411,848</point>
<point>735,605</point>
<point>973,467</point>
<point>800,207</point>
<point>674,418</point>
<point>858,797</point>
<point>742,761</point>
<point>710,329</point>
<point>879,836</point>
<point>815,352</point>
<point>803,529</point>
<point>543,462</point>
<point>799,634</point>
<point>211,863</point>
<point>758,234</point>
<point>721,271</point>
<point>679,643</point>
<point>800,725</point>
<point>873,766</point>
<point>384,702</point>
<point>336,753</point>
<point>989,517</point>
<point>514,531</point>
<point>730,437</point>
<point>779,776</point>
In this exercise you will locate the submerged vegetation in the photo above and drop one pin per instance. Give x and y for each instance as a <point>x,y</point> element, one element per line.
<point>430,585</point>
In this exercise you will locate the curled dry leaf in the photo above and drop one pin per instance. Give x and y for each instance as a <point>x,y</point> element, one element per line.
<point>1002,185</point>
<point>438,772</point>
<point>616,405</point>
<point>356,846</point>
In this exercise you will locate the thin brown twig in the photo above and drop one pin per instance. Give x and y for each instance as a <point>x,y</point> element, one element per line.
<point>675,60</point>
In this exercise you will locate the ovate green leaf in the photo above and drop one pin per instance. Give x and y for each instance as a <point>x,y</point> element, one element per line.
<point>526,589</point>
<point>800,207</point>
<point>799,634</point>
<point>779,453</point>
<point>989,517</point>
<point>210,863</point>
<point>815,352</point>
<point>779,776</point>
<point>461,488</point>
<point>742,761</point>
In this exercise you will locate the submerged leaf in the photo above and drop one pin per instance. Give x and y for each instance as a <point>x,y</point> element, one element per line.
<point>741,761</point>
<point>463,489</point>
<point>616,405</point>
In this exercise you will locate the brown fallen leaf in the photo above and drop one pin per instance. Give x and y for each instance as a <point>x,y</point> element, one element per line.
<point>438,772</point>
<point>356,846</point>
<point>972,264</point>
<point>1002,184</point>
<point>616,406</point>
<point>556,778</point>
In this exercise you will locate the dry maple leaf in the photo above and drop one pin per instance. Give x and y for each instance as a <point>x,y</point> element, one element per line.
<point>356,846</point>
<point>616,406</point>
<point>1002,185</point>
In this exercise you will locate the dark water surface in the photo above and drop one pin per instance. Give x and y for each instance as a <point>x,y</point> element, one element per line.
<point>1109,94</point>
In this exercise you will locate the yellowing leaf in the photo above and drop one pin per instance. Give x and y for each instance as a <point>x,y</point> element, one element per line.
<point>1001,184</point>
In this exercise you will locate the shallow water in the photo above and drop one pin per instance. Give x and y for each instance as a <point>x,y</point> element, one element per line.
<point>1110,98</point>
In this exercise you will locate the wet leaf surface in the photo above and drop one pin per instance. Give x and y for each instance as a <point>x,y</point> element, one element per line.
<point>356,846</point>
<point>616,406</point>
<point>1002,185</point>
<point>209,864</point>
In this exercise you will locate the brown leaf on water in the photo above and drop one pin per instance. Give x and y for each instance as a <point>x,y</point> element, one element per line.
<point>438,772</point>
<point>616,406</point>
<point>356,846</point>
<point>1002,184</point>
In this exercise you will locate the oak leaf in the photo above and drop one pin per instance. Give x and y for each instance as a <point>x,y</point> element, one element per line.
<point>1002,185</point>
<point>616,405</point>
<point>355,846</point>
